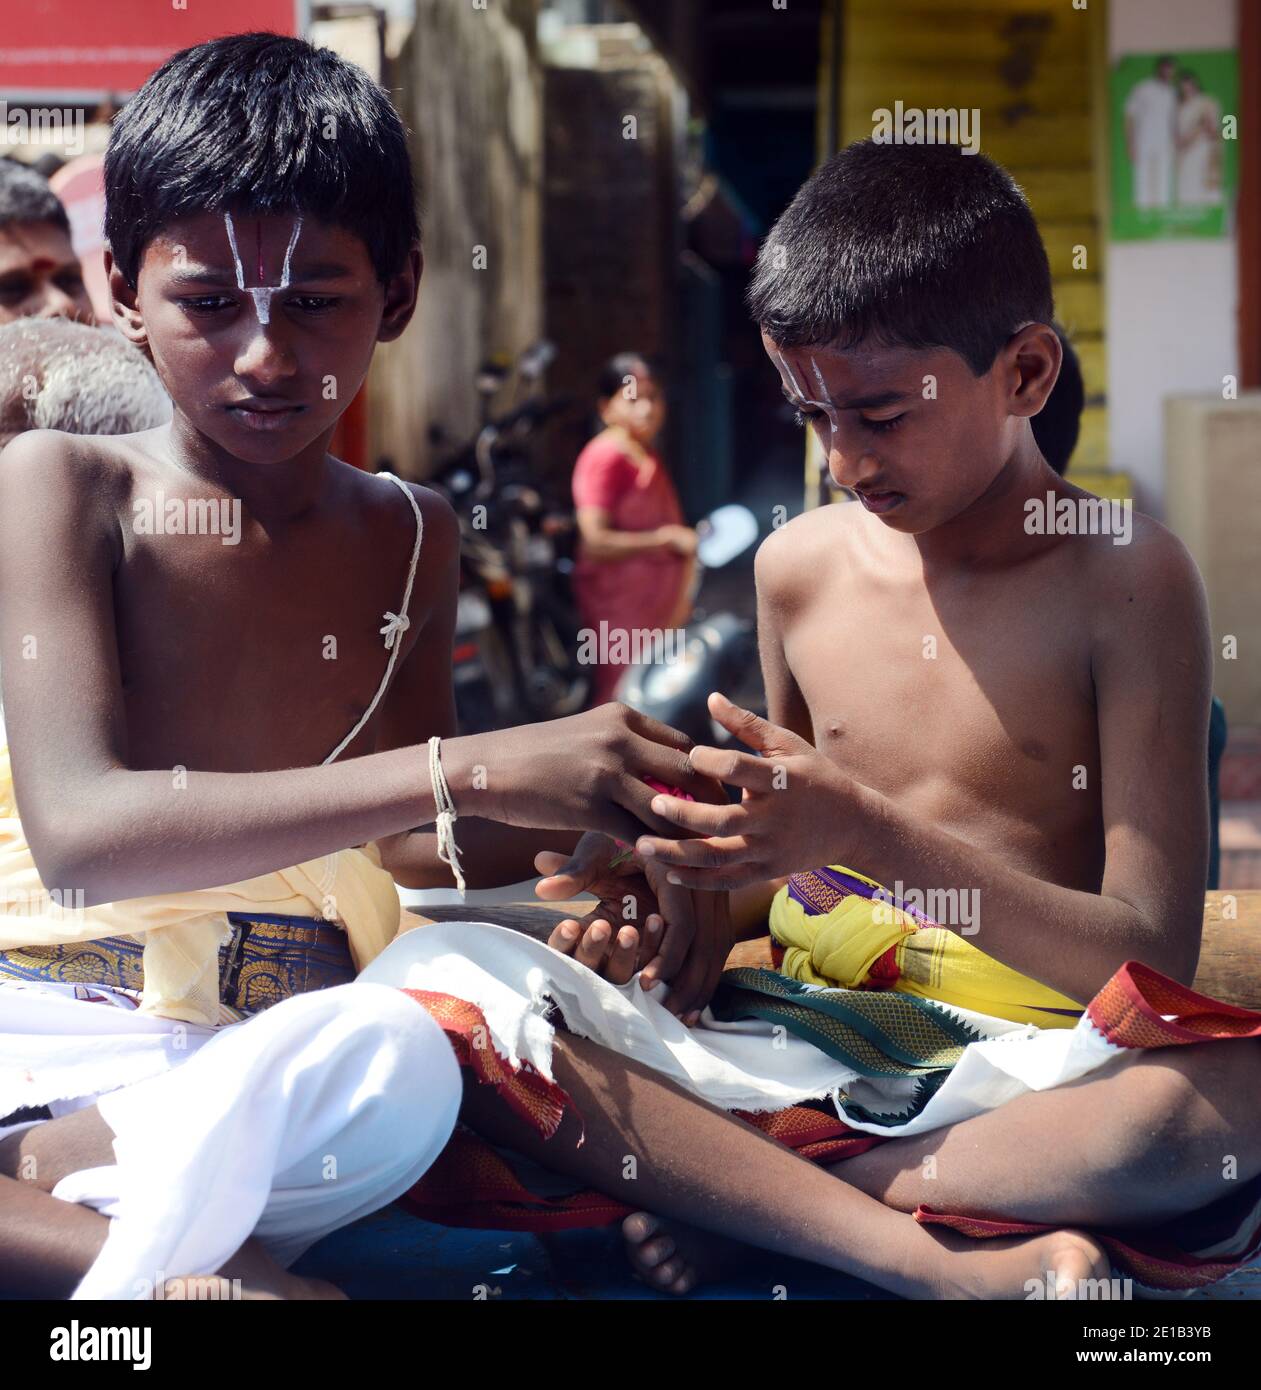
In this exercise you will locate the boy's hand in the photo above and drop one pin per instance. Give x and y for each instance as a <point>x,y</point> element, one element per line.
<point>625,901</point>
<point>684,938</point>
<point>582,772</point>
<point>797,811</point>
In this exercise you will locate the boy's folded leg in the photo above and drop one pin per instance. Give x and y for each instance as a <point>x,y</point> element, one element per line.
<point>317,1112</point>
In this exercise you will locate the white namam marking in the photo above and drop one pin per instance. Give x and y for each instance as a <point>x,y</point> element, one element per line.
<point>827,405</point>
<point>261,294</point>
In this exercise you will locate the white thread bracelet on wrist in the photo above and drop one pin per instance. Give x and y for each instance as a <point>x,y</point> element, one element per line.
<point>448,851</point>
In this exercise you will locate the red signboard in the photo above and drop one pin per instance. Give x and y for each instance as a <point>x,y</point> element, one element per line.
<point>91,49</point>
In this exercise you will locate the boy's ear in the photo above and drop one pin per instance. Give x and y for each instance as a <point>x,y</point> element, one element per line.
<point>1033,355</point>
<point>400,297</point>
<point>123,304</point>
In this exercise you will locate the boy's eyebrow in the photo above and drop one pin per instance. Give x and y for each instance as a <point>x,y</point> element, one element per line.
<point>204,275</point>
<point>872,402</point>
<point>322,270</point>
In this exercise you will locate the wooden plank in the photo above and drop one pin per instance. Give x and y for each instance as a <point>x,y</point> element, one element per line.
<point>1079,305</point>
<point>1230,954</point>
<point>1062,240</point>
<point>1250,196</point>
<point>974,86</point>
<point>535,919</point>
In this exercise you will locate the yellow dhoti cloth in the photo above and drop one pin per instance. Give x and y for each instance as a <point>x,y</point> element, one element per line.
<point>833,932</point>
<point>182,932</point>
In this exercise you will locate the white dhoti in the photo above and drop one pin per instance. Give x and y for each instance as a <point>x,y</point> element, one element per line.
<point>747,1065</point>
<point>322,1109</point>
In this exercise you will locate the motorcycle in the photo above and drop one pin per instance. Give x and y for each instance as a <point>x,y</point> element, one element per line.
<point>515,652</point>
<point>716,652</point>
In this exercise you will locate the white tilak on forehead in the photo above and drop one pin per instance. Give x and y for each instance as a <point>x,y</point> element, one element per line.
<point>261,294</point>
<point>827,405</point>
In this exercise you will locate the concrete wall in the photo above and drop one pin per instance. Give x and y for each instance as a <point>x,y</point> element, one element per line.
<point>611,222</point>
<point>1171,305</point>
<point>470,87</point>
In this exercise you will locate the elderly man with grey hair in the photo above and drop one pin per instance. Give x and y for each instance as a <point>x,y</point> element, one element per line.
<point>56,374</point>
<point>59,375</point>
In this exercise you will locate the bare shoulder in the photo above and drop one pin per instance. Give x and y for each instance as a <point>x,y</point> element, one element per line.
<point>58,459</point>
<point>789,560</point>
<point>74,477</point>
<point>1149,568</point>
<point>383,504</point>
<point>1142,592</point>
<point>387,526</point>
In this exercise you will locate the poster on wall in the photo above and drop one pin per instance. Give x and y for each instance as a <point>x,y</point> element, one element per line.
<point>1175,144</point>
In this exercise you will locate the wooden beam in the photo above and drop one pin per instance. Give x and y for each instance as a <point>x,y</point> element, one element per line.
<point>1250,194</point>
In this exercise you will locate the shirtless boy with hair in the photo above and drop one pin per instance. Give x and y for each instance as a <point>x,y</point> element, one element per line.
<point>194,705</point>
<point>958,700</point>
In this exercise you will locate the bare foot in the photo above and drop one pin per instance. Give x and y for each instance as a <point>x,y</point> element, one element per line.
<point>674,1258</point>
<point>250,1275</point>
<point>213,1288</point>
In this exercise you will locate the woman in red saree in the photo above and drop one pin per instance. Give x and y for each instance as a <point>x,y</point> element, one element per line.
<point>636,556</point>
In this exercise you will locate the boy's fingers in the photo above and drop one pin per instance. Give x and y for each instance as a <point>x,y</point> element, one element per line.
<point>687,990</point>
<point>613,817</point>
<point>649,940</point>
<point>701,818</point>
<point>621,964</point>
<point>735,768</point>
<point>674,947</point>
<point>677,917</point>
<point>752,729</point>
<point>666,765</point>
<point>717,852</point>
<point>568,875</point>
<point>696,982</point>
<point>565,936</point>
<point>717,880</point>
<point>649,728</point>
<point>594,945</point>
<point>559,881</point>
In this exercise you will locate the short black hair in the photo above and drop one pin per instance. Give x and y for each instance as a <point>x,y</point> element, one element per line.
<point>26,197</point>
<point>260,123</point>
<point>1057,426</point>
<point>615,371</point>
<point>905,245</point>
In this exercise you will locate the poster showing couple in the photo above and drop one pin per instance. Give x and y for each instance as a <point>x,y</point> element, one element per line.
<point>1174,145</point>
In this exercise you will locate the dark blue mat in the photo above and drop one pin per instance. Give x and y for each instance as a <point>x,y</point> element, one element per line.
<point>393,1255</point>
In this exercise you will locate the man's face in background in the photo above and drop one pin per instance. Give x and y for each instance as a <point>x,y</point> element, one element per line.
<point>40,275</point>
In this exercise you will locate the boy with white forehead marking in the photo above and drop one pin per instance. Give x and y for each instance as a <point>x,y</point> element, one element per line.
<point>188,851</point>
<point>261,294</point>
<point>956,703</point>
<point>827,405</point>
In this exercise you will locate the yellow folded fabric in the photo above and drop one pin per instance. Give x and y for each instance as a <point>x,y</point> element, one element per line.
<point>843,934</point>
<point>182,932</point>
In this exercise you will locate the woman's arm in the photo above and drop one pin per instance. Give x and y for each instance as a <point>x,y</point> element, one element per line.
<point>601,542</point>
